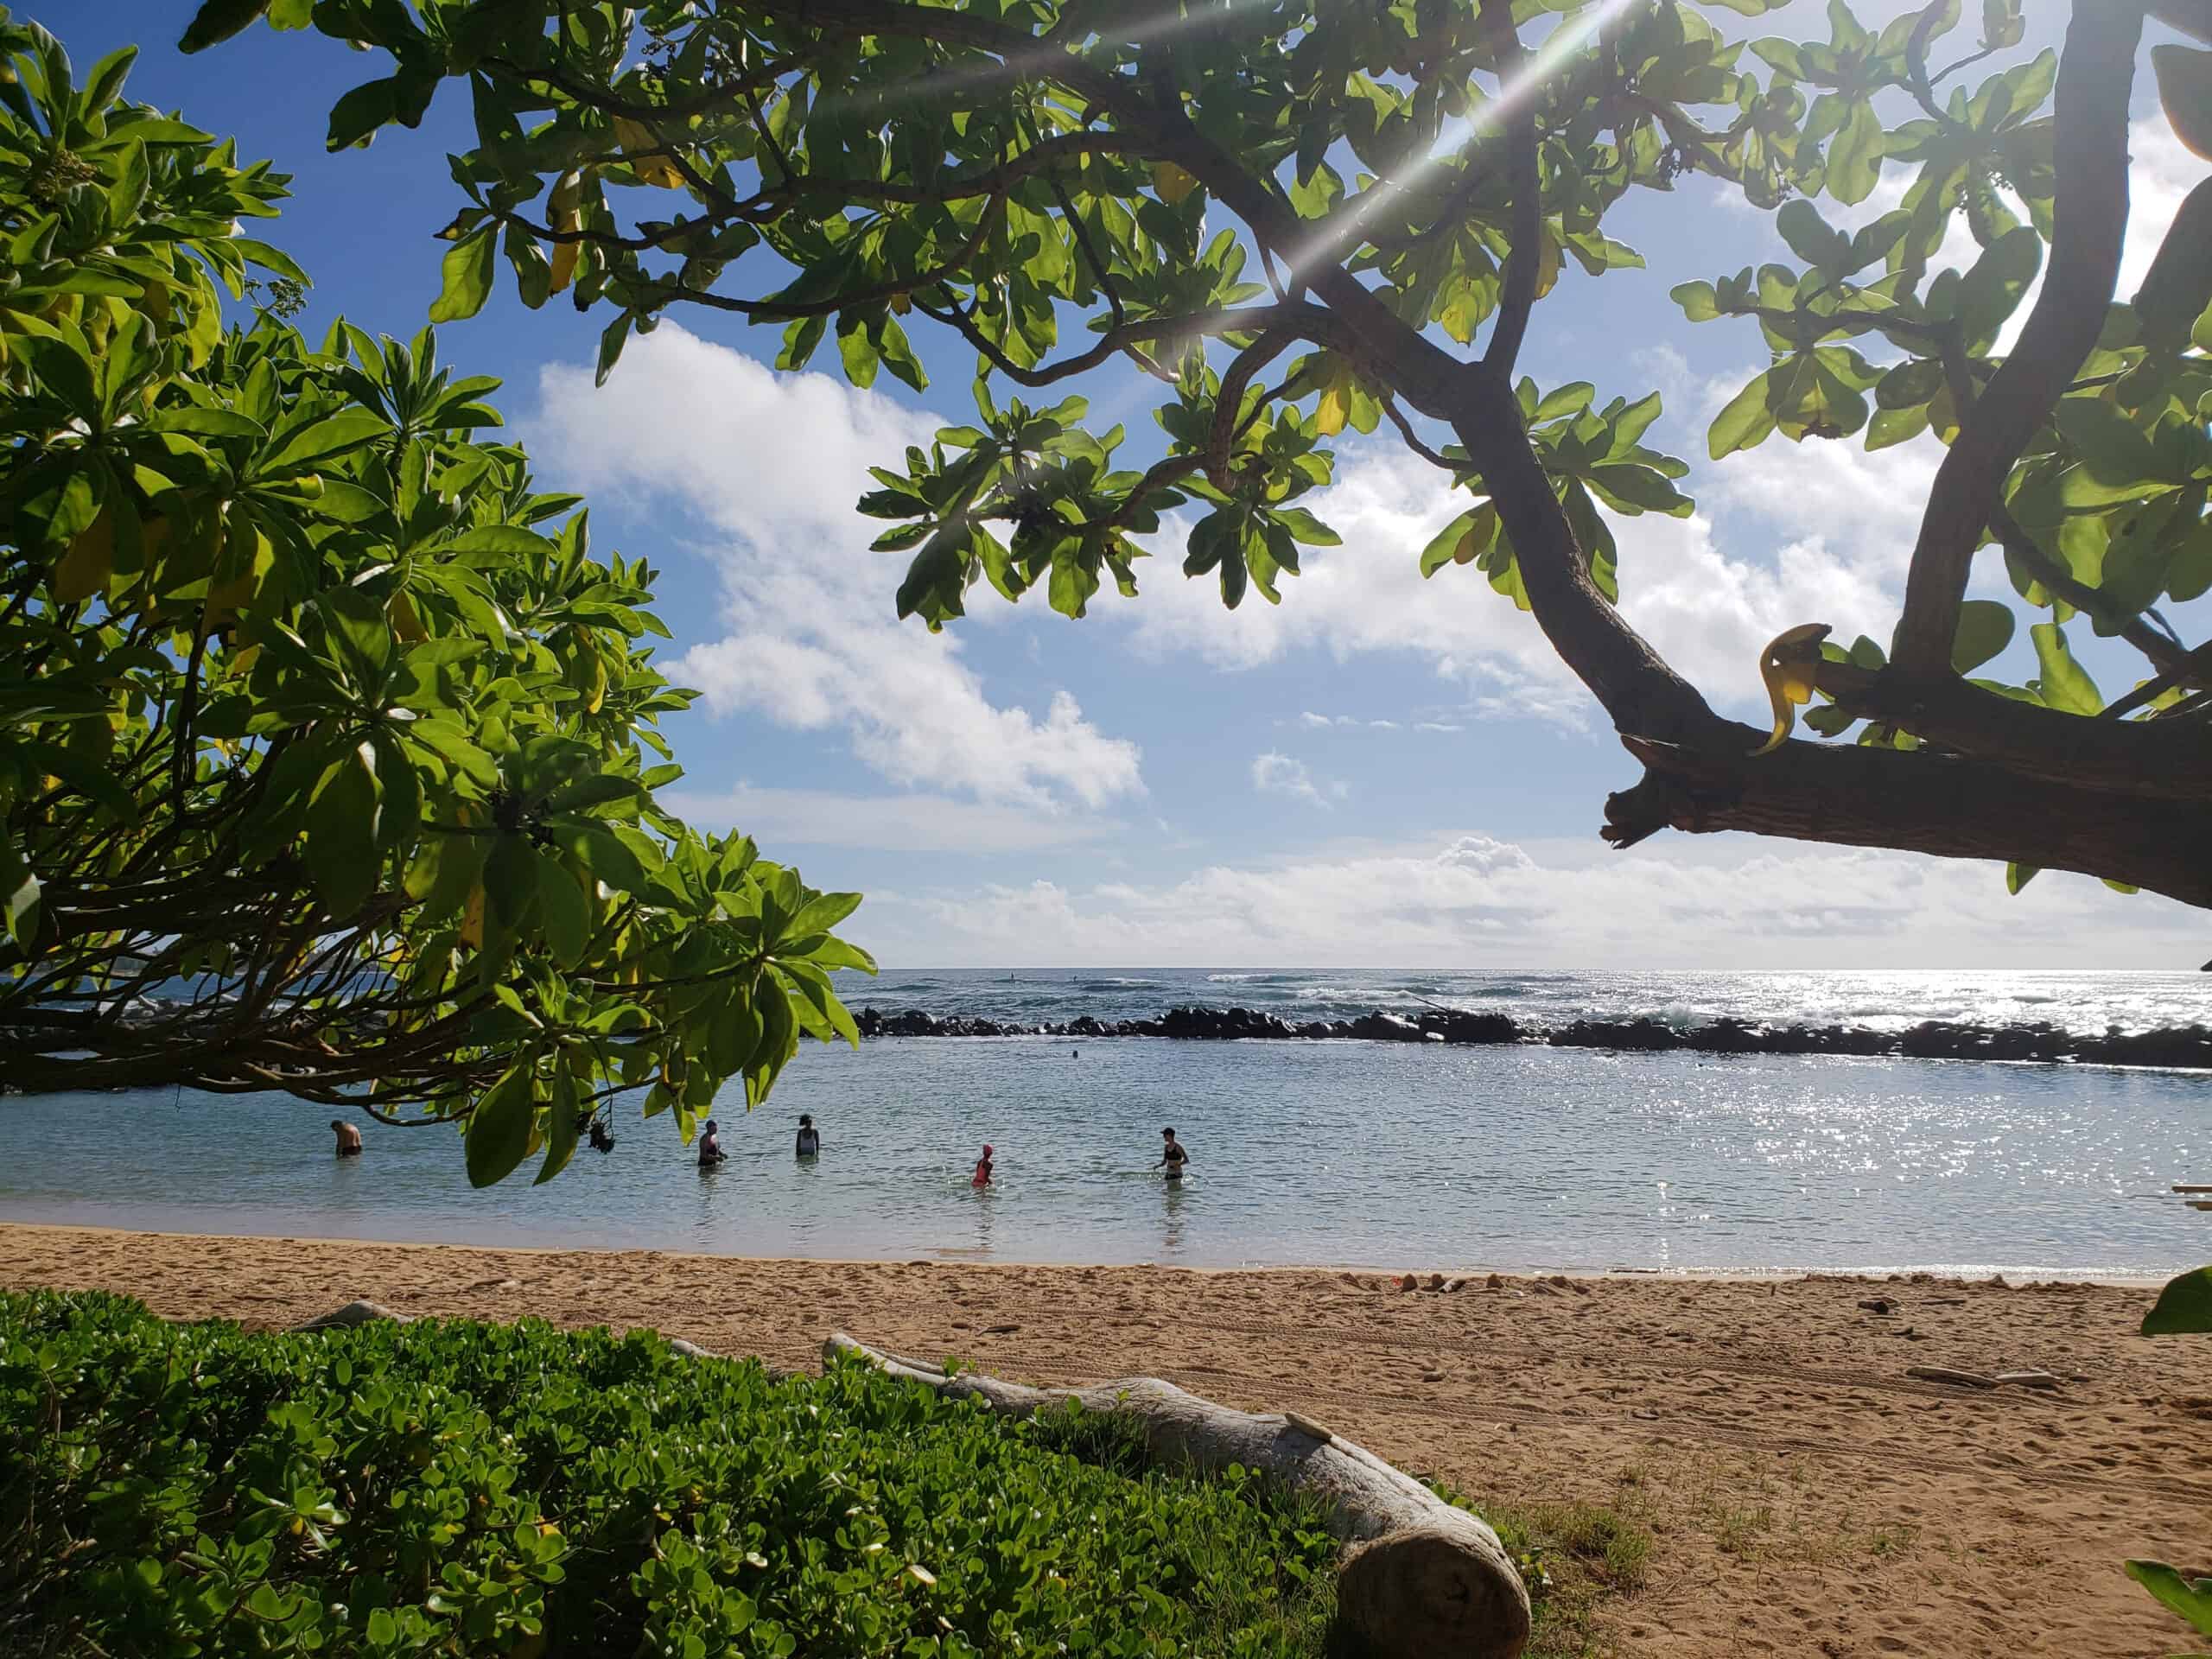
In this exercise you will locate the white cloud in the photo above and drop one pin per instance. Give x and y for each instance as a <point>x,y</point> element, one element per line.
<point>903,823</point>
<point>774,463</point>
<point>1475,901</point>
<point>1274,773</point>
<point>1325,723</point>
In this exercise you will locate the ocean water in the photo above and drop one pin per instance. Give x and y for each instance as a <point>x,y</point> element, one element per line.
<point>1376,1155</point>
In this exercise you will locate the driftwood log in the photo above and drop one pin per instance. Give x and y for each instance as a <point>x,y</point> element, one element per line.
<point>1421,1578</point>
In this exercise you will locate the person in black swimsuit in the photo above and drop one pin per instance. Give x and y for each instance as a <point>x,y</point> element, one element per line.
<point>810,1138</point>
<point>1172,1156</point>
<point>710,1146</point>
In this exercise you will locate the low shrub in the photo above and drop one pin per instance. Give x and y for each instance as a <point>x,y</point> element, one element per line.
<point>456,1488</point>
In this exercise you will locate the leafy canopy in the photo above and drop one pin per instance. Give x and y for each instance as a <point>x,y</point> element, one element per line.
<point>1297,217</point>
<point>327,758</point>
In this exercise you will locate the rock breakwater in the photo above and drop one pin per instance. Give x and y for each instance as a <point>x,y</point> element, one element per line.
<point>2183,1047</point>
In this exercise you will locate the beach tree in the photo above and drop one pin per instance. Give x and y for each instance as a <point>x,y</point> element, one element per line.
<point>328,750</point>
<point>1296,217</point>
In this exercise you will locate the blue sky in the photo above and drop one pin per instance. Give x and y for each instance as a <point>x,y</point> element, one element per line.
<point>1380,771</point>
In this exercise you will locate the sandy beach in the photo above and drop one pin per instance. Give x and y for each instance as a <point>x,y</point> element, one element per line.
<point>1805,1495</point>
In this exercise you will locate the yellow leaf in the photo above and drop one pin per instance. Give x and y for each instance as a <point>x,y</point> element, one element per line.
<point>85,569</point>
<point>1335,409</point>
<point>562,213</point>
<point>2185,89</point>
<point>638,139</point>
<point>405,625</point>
<point>921,1574</point>
<point>242,662</point>
<point>472,918</point>
<point>1548,257</point>
<point>901,304</point>
<point>1171,183</point>
<point>1788,665</point>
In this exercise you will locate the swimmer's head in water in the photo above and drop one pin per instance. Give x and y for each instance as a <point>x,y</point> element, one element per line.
<point>987,1152</point>
<point>1167,1134</point>
<point>805,1121</point>
<point>712,1126</point>
<point>336,1124</point>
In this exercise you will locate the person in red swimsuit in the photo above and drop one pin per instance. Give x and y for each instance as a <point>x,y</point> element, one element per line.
<point>982,1170</point>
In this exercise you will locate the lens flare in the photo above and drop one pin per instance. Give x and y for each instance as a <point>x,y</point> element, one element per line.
<point>1343,229</point>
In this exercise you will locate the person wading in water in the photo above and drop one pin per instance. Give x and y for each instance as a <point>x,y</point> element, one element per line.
<point>1172,1156</point>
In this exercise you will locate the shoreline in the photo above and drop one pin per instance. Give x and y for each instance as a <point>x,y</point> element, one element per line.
<point>2029,1277</point>
<point>1806,1492</point>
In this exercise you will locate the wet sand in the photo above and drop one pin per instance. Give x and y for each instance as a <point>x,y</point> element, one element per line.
<point>1807,1495</point>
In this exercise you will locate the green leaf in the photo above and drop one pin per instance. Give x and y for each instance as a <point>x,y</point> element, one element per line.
<point>217,20</point>
<point>2185,89</point>
<point>362,632</point>
<point>19,895</point>
<point>1992,291</point>
<point>2065,683</point>
<point>612,339</point>
<point>1745,423</point>
<point>1303,527</point>
<point>341,835</point>
<point>356,117</point>
<point>1700,302</point>
<point>1985,629</point>
<point>467,274</point>
<point>1855,155</point>
<point>2184,1307</point>
<point>2017,875</point>
<point>560,1126</point>
<point>821,913</point>
<point>347,430</point>
<point>563,912</point>
<point>497,1134</point>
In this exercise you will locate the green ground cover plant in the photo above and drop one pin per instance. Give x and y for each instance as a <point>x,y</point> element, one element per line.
<point>450,1487</point>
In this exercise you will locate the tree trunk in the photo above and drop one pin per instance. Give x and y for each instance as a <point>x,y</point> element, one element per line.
<point>1421,1580</point>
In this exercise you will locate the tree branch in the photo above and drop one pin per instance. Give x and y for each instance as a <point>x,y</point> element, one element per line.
<point>1915,802</point>
<point>2093,84</point>
<point>2140,758</point>
<point>1638,690</point>
<point>1519,299</point>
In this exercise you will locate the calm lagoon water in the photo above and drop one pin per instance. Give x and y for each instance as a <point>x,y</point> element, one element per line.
<point>1341,1154</point>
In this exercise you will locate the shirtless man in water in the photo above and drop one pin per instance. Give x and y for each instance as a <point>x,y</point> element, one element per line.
<point>349,1138</point>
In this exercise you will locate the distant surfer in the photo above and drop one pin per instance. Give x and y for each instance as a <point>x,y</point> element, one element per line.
<point>349,1138</point>
<point>710,1146</point>
<point>982,1171</point>
<point>810,1138</point>
<point>1172,1156</point>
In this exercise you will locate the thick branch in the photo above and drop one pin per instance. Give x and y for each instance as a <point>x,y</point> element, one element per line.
<point>2146,759</point>
<point>1641,693</point>
<point>1946,805</point>
<point>2091,138</point>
